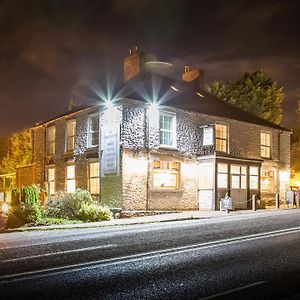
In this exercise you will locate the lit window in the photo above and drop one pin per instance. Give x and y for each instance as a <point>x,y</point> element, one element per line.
<point>238,176</point>
<point>265,144</point>
<point>267,180</point>
<point>166,174</point>
<point>70,138</point>
<point>167,129</point>
<point>51,180</point>
<point>71,179</point>
<point>253,178</point>
<point>50,140</point>
<point>93,135</point>
<point>221,137</point>
<point>223,176</point>
<point>94,177</point>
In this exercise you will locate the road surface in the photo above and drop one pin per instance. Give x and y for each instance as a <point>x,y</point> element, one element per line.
<point>236,257</point>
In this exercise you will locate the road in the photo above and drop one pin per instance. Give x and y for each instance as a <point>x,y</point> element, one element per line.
<point>238,257</point>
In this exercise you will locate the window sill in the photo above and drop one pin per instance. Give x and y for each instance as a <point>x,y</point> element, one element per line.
<point>167,190</point>
<point>167,147</point>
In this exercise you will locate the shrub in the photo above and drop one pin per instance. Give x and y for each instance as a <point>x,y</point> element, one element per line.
<point>94,212</point>
<point>22,214</point>
<point>30,194</point>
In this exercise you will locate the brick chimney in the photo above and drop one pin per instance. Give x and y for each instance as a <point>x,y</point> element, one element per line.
<point>132,64</point>
<point>190,74</point>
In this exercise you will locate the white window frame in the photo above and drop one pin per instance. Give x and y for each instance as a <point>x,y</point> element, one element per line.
<point>70,179</point>
<point>70,139</point>
<point>50,143</point>
<point>91,132</point>
<point>221,173</point>
<point>165,167</point>
<point>93,177</point>
<point>222,138</point>
<point>265,146</point>
<point>172,131</point>
<point>51,181</point>
<point>253,175</point>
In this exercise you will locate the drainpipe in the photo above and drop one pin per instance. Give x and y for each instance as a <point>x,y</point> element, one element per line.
<point>147,145</point>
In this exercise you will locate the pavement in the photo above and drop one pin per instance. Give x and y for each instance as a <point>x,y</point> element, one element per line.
<point>160,217</point>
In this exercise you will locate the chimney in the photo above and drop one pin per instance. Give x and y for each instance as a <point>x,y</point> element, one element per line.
<point>132,64</point>
<point>189,74</point>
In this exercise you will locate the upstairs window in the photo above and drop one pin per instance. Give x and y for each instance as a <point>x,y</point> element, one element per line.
<point>221,132</point>
<point>51,180</point>
<point>166,174</point>
<point>50,140</point>
<point>167,129</point>
<point>93,134</point>
<point>265,144</point>
<point>70,180</point>
<point>94,177</point>
<point>70,138</point>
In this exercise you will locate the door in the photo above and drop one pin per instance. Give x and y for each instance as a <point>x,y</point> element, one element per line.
<point>238,183</point>
<point>206,186</point>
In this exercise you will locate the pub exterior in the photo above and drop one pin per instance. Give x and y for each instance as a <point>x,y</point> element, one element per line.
<point>163,144</point>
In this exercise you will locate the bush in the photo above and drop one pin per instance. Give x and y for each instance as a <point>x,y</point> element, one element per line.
<point>30,194</point>
<point>94,212</point>
<point>23,214</point>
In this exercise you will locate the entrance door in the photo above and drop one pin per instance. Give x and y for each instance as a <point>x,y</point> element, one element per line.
<point>206,186</point>
<point>238,180</point>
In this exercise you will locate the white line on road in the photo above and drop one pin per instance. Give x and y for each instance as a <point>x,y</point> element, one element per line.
<point>228,292</point>
<point>143,256</point>
<point>58,253</point>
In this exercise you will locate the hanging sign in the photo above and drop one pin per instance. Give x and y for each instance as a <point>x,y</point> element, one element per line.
<point>208,136</point>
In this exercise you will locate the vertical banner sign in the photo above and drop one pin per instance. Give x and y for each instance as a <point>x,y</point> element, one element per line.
<point>207,136</point>
<point>110,149</point>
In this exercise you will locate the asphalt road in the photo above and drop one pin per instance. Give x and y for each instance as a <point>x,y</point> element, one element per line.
<point>241,257</point>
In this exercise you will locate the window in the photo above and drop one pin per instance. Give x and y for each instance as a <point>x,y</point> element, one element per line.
<point>238,177</point>
<point>265,144</point>
<point>94,177</point>
<point>267,179</point>
<point>93,135</point>
<point>70,137</point>
<point>167,129</point>
<point>253,178</point>
<point>71,178</point>
<point>166,174</point>
<point>50,140</point>
<point>221,137</point>
<point>51,180</point>
<point>223,176</point>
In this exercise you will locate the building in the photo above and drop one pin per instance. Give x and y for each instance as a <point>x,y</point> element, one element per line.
<point>164,144</point>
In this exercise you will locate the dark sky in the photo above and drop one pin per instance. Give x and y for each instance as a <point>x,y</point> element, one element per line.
<point>54,50</point>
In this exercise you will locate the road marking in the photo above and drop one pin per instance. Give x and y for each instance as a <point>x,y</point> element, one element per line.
<point>142,256</point>
<point>58,253</point>
<point>228,292</point>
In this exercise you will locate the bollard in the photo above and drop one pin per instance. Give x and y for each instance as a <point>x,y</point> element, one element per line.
<point>253,202</point>
<point>277,200</point>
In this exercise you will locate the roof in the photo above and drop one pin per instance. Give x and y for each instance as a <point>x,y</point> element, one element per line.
<point>187,96</point>
<point>65,114</point>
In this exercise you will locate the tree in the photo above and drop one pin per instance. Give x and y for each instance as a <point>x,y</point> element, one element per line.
<point>19,152</point>
<point>254,93</point>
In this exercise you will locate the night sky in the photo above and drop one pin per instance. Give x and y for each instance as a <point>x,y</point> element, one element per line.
<point>54,50</point>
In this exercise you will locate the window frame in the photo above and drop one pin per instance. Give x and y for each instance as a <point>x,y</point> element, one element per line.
<point>72,137</point>
<point>172,131</point>
<point>265,146</point>
<point>50,143</point>
<point>253,175</point>
<point>93,177</point>
<point>219,172</point>
<point>68,179</point>
<point>162,169</point>
<point>51,182</point>
<point>226,139</point>
<point>91,132</point>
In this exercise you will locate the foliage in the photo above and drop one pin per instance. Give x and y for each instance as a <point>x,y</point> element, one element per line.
<point>19,152</point>
<point>46,221</point>
<point>254,93</point>
<point>94,212</point>
<point>77,206</point>
<point>22,214</point>
<point>30,194</point>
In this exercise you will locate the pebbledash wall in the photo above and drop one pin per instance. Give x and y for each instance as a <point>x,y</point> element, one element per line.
<point>137,163</point>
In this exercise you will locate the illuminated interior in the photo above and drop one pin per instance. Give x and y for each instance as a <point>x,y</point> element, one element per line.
<point>166,174</point>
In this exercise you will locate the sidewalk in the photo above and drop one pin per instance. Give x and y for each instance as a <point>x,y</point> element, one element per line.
<point>186,215</point>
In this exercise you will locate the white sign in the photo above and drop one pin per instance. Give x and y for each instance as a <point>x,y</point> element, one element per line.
<point>208,136</point>
<point>110,149</point>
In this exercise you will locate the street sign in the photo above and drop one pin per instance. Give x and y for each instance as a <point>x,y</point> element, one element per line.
<point>226,203</point>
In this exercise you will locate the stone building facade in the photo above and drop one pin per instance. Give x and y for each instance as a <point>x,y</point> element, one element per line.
<point>177,149</point>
